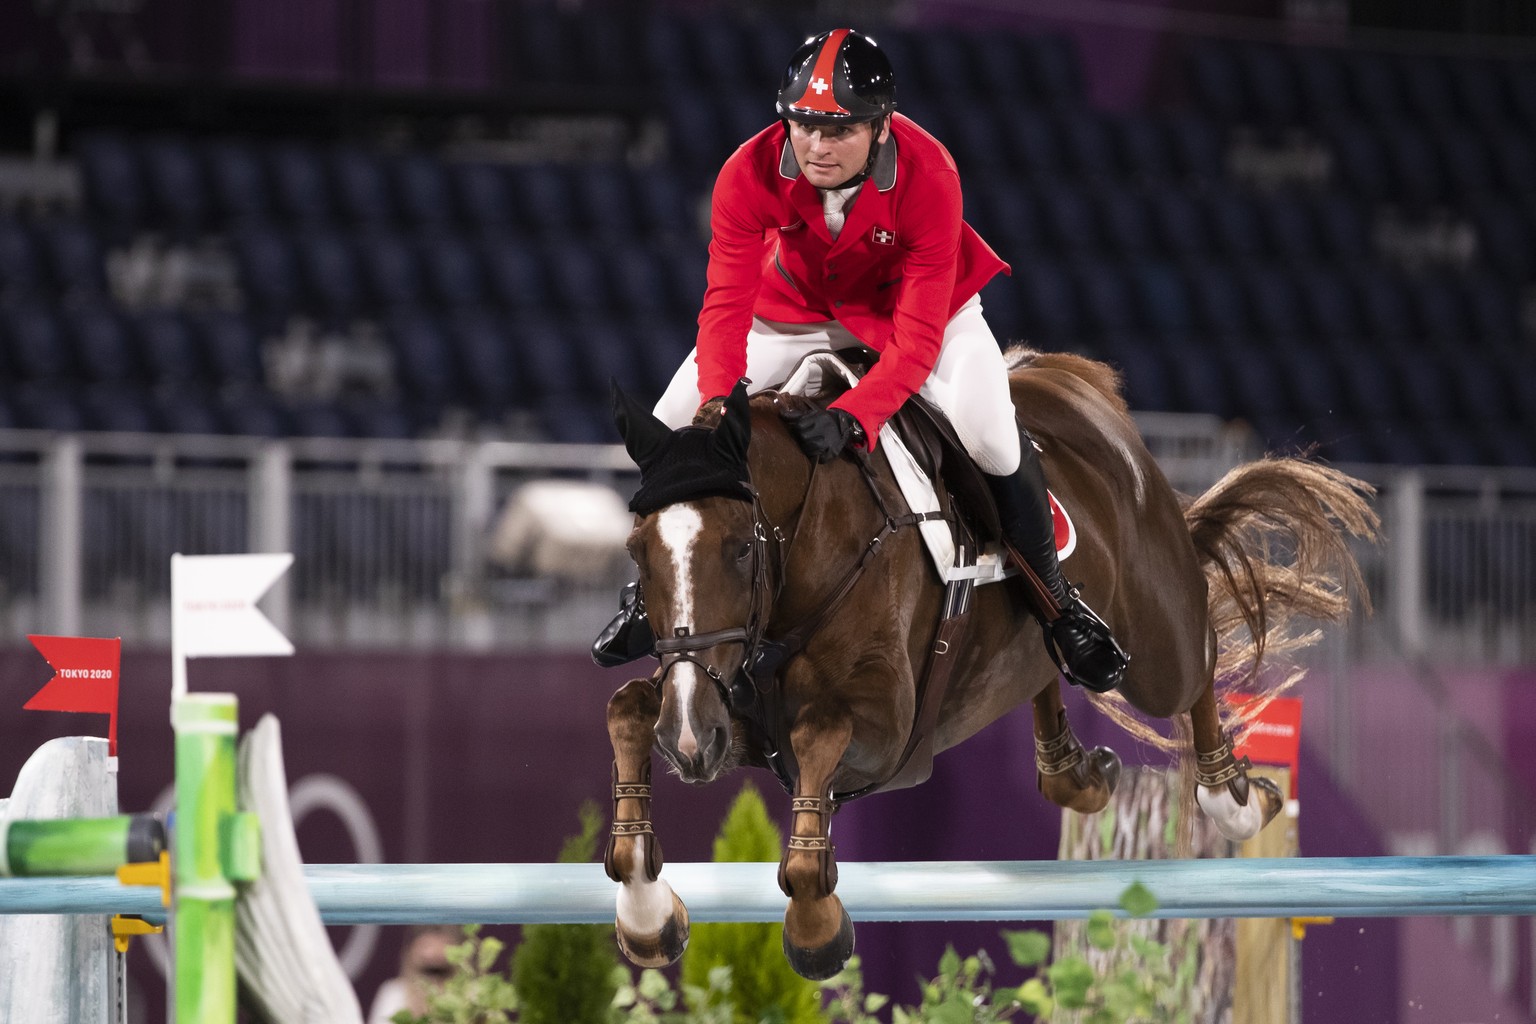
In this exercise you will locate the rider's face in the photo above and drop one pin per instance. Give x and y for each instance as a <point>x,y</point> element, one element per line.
<point>830,154</point>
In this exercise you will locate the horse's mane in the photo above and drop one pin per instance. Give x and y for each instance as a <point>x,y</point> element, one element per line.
<point>1102,377</point>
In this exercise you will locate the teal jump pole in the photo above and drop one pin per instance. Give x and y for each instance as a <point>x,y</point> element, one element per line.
<point>888,891</point>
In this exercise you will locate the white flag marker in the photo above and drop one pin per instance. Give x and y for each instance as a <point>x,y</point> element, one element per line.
<point>214,613</point>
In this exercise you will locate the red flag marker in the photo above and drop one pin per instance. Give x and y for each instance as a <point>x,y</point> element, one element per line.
<point>85,678</point>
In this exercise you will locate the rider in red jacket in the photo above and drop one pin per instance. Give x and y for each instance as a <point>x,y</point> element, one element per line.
<point>840,227</point>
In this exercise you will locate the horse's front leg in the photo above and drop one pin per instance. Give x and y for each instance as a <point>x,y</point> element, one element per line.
<point>818,935</point>
<point>651,922</point>
<point>1240,806</point>
<point>1069,776</point>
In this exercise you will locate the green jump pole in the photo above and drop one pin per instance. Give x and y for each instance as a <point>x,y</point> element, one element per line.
<point>203,898</point>
<point>78,846</point>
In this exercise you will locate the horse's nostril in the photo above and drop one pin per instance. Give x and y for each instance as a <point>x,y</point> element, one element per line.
<point>718,739</point>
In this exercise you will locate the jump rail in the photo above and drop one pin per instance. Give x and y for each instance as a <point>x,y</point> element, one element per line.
<point>888,891</point>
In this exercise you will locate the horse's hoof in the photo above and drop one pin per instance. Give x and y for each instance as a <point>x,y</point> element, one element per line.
<point>1107,763</point>
<point>661,948</point>
<point>1268,794</point>
<point>824,961</point>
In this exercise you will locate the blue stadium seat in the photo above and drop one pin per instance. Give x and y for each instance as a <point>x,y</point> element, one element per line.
<point>544,199</point>
<point>1004,214</point>
<point>1290,229</point>
<point>1272,93</point>
<point>253,412</point>
<point>233,349</point>
<point>237,183</point>
<point>1411,154</point>
<point>515,274</point>
<point>1322,82</point>
<point>1360,159</point>
<point>73,254</point>
<point>1342,229</point>
<point>1514,159</point>
<point>1199,146</point>
<point>1055,68</point>
<point>113,183</point>
<point>299,189</point>
<point>1180,222</point>
<point>184,410</point>
<point>320,419</point>
<point>121,408</point>
<point>1275,304</point>
<point>1438,310</point>
<point>1385,304</point>
<point>1521,84</point>
<point>1002,300</point>
<point>327,264</point>
<point>1466,161</point>
<point>1506,242</point>
<point>1031,142</point>
<point>1215,75</point>
<point>605,207</point>
<point>1427,91</point>
<point>1311,379</point>
<point>1481,99</point>
<point>425,362</point>
<point>1375,86</point>
<point>1144,371</point>
<point>662,348</point>
<point>663,208</point>
<point>1221,307</point>
<point>1198,378</point>
<point>1108,305</point>
<point>1162,297</point>
<point>1425,387</point>
<point>485,350</point>
<point>423,192</point>
<point>454,275</point>
<point>392,270</point>
<point>1329,306</point>
<point>269,272</point>
<point>360,184</point>
<point>1369,387</point>
<point>1088,145</point>
<point>548,358</point>
<point>578,280</point>
<point>1142,146</point>
<point>941,67</point>
<point>107,351</point>
<point>171,351</point>
<point>1481,393</point>
<point>38,346</point>
<point>21,272</point>
<point>1259,392</point>
<point>178,192</point>
<point>1235,226</point>
<point>1000,64</point>
<point>639,282</point>
<point>380,418</point>
<point>1493,308</point>
<point>970,134</point>
<point>606,350</point>
<point>1125,223</point>
<point>49,405</point>
<point>686,268</point>
<point>484,196</point>
<point>1053,313</point>
<point>1070,221</point>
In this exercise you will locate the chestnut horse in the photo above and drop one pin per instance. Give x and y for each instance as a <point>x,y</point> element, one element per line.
<point>742,540</point>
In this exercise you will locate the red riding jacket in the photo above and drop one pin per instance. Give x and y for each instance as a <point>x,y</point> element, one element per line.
<point>902,265</point>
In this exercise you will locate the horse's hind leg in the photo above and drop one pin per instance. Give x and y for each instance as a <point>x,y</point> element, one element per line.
<point>651,922</point>
<point>1069,776</point>
<point>1240,806</point>
<point>818,934</point>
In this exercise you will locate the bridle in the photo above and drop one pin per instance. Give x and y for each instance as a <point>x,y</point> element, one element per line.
<point>684,645</point>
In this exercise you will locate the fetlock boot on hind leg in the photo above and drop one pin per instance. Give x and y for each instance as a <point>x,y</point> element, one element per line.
<point>1078,640</point>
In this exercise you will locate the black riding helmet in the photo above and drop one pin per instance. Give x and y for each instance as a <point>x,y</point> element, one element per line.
<point>838,77</point>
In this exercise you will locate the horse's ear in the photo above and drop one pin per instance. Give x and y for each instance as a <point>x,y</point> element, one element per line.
<point>644,435</point>
<point>735,429</point>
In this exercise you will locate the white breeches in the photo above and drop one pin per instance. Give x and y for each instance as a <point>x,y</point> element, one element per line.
<point>969,382</point>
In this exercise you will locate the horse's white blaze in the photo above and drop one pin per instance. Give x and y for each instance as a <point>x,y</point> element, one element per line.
<point>1237,822</point>
<point>679,527</point>
<point>643,906</point>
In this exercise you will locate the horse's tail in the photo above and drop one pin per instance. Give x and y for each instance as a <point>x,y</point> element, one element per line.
<point>1273,538</point>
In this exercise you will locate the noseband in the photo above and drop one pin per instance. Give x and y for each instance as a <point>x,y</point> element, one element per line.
<point>684,645</point>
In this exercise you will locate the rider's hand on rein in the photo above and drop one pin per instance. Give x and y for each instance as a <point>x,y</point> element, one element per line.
<point>824,433</point>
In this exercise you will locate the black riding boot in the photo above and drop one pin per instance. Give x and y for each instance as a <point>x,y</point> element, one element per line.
<point>629,635</point>
<point>1078,640</point>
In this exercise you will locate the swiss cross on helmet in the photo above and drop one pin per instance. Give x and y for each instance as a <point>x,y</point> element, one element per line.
<point>838,77</point>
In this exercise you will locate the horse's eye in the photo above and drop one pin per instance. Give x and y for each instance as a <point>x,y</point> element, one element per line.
<point>744,552</point>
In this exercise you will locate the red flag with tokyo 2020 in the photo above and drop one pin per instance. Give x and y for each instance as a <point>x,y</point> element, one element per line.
<point>85,677</point>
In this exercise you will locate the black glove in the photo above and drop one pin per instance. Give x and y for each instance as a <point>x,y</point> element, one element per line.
<point>824,433</point>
